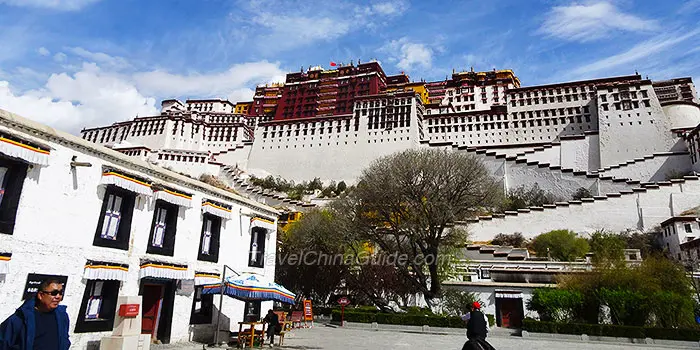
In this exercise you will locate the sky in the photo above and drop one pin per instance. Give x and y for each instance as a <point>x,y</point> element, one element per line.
<point>84,63</point>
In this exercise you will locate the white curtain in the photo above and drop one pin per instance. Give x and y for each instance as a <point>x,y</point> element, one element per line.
<point>206,239</point>
<point>110,223</point>
<point>159,227</point>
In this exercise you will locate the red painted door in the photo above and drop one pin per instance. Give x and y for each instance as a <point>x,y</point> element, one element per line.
<point>152,298</point>
<point>510,313</point>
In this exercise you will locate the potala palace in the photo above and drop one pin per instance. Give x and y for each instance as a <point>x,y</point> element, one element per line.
<point>632,142</point>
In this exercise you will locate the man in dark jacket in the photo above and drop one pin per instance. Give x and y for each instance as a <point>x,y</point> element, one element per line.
<point>477,330</point>
<point>40,323</point>
<point>272,324</point>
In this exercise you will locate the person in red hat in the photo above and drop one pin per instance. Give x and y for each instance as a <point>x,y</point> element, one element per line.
<point>477,329</point>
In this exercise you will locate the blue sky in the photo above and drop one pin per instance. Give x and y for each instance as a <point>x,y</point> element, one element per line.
<point>77,63</point>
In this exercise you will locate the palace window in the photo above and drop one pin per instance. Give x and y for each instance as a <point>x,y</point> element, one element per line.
<point>97,309</point>
<point>12,174</point>
<point>114,227</point>
<point>209,241</point>
<point>163,228</point>
<point>251,312</point>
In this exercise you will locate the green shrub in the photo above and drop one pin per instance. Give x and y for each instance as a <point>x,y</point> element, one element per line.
<point>608,330</point>
<point>556,304</point>
<point>627,307</point>
<point>492,320</point>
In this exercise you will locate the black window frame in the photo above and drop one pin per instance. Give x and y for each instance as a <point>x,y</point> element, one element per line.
<point>261,234</point>
<point>206,310</point>
<point>13,183</point>
<point>171,216</point>
<point>127,213</point>
<point>253,316</point>
<point>215,238</point>
<point>110,293</point>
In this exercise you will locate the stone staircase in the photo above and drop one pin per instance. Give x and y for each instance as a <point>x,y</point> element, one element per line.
<point>237,179</point>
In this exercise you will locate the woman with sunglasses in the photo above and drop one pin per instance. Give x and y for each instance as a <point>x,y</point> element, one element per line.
<point>40,323</point>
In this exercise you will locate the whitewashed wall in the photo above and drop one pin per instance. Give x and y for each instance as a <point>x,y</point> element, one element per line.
<point>581,154</point>
<point>335,156</point>
<point>58,214</point>
<point>652,170</point>
<point>641,210</point>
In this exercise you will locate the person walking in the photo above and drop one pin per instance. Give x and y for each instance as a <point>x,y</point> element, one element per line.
<point>273,322</point>
<point>477,329</point>
<point>40,323</point>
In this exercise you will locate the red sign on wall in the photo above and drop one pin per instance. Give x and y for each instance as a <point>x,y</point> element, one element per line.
<point>129,310</point>
<point>308,312</point>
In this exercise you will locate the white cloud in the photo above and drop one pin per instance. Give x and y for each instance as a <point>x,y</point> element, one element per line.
<point>96,96</point>
<point>89,97</point>
<point>291,31</point>
<point>638,53</point>
<point>60,57</point>
<point>61,5</point>
<point>689,7</point>
<point>43,51</point>
<point>233,83</point>
<point>585,23</point>
<point>408,55</point>
<point>278,25</point>
<point>100,58</point>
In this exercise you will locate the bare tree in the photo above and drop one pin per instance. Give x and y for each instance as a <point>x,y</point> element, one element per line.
<point>406,204</point>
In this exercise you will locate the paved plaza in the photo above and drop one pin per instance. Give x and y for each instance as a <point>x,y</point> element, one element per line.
<point>328,338</point>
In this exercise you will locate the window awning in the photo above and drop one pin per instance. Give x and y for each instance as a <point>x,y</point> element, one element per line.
<point>172,196</point>
<point>201,278</point>
<point>218,209</point>
<point>5,263</point>
<point>25,150</point>
<point>127,182</point>
<point>264,223</point>
<point>102,270</point>
<point>158,269</point>
<point>509,294</point>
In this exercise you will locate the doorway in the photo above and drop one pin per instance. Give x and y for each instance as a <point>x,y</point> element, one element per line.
<point>157,301</point>
<point>509,312</point>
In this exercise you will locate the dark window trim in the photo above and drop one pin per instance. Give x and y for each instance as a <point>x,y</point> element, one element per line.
<point>13,185</point>
<point>127,212</point>
<point>261,234</point>
<point>213,255</point>
<point>171,217</point>
<point>255,315</point>
<point>110,293</point>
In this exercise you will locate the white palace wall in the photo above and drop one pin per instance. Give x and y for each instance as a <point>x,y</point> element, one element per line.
<point>59,211</point>
<point>628,133</point>
<point>642,210</point>
<point>580,153</point>
<point>655,169</point>
<point>336,156</point>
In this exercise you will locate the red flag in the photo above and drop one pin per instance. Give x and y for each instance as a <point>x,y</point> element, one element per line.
<point>333,64</point>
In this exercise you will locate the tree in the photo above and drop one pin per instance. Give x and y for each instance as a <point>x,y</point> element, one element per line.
<point>607,248</point>
<point>581,192</point>
<point>406,204</point>
<point>300,266</point>
<point>522,197</point>
<point>341,187</point>
<point>456,302</point>
<point>563,245</point>
<point>315,184</point>
<point>515,240</point>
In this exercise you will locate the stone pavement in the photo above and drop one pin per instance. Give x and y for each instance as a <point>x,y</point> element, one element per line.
<point>328,338</point>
